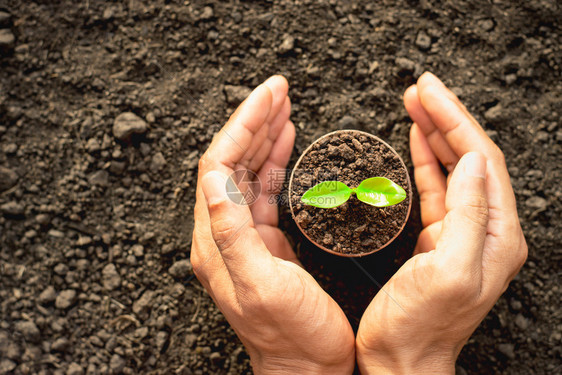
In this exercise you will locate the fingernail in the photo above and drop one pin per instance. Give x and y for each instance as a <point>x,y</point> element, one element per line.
<point>214,187</point>
<point>475,164</point>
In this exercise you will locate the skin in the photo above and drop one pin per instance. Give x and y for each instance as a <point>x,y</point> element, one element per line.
<point>471,246</point>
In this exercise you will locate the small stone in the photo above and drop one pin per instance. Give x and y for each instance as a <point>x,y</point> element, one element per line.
<point>486,24</point>
<point>117,167</point>
<point>347,122</point>
<point>65,299</point>
<point>537,203</point>
<point>84,241</point>
<point>405,66</point>
<point>10,148</point>
<point>236,94</point>
<point>48,295</point>
<point>158,162</point>
<point>7,366</point>
<point>5,19</point>
<point>207,14</point>
<point>14,209</point>
<point>510,78</point>
<point>108,14</point>
<point>141,333</point>
<point>167,249</point>
<point>100,178</point>
<point>56,233</point>
<point>508,350</point>
<point>423,41</point>
<point>190,340</point>
<point>144,303</point>
<point>116,363</point>
<point>29,330</point>
<point>61,269</point>
<point>521,322</point>
<point>93,145</point>
<point>43,219</point>
<point>110,277</point>
<point>60,345</point>
<point>494,114</point>
<point>150,117</point>
<point>74,369</point>
<point>7,39</point>
<point>127,124</point>
<point>138,250</point>
<point>161,340</point>
<point>287,45</point>
<point>8,178</point>
<point>516,305</point>
<point>181,269</point>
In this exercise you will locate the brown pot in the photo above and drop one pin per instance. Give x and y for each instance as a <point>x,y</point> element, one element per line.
<point>355,228</point>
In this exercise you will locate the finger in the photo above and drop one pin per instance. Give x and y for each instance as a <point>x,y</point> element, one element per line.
<point>274,128</point>
<point>245,255</point>
<point>279,88</point>
<point>272,176</point>
<point>428,238</point>
<point>430,181</point>
<point>466,223</point>
<point>462,132</point>
<point>205,257</point>
<point>280,109</point>
<point>464,135</point>
<point>230,146</point>
<point>435,139</point>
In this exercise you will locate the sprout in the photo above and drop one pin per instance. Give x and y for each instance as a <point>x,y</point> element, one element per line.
<point>376,191</point>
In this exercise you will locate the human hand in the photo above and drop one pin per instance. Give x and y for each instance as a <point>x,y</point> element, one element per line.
<point>471,246</point>
<point>285,320</point>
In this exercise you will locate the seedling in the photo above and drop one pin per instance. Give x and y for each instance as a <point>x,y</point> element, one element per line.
<point>376,191</point>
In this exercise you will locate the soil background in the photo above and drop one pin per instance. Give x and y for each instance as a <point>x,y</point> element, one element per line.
<point>95,232</point>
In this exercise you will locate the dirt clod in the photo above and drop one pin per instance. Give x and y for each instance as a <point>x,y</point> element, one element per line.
<point>127,124</point>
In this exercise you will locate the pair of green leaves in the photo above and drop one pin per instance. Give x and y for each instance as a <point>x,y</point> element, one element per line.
<point>376,191</point>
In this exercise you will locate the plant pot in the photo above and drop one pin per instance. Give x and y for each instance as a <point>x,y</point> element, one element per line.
<point>355,228</point>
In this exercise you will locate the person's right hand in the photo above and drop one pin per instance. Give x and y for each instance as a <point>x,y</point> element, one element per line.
<point>471,246</point>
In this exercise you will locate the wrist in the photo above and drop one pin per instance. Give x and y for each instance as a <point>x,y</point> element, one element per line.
<point>282,366</point>
<point>400,362</point>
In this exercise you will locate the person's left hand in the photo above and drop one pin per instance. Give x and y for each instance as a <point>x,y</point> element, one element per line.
<point>286,321</point>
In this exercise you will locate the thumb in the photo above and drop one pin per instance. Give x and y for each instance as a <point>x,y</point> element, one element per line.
<point>465,224</point>
<point>239,243</point>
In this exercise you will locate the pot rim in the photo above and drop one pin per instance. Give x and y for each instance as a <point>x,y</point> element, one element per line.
<point>342,131</point>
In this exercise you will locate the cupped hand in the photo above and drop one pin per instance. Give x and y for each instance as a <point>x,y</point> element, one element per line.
<point>471,246</point>
<point>285,320</point>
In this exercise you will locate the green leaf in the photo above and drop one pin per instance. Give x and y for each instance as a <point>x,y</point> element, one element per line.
<point>380,192</point>
<point>327,194</point>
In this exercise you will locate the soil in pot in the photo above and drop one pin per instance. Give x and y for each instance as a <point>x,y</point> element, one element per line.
<point>354,228</point>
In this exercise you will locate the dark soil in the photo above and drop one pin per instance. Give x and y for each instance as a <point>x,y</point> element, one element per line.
<point>354,227</point>
<point>95,229</point>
